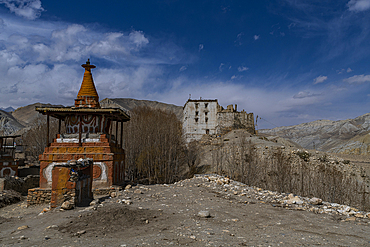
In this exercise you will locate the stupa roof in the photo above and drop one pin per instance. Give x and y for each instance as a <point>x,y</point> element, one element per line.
<point>87,102</point>
<point>88,86</point>
<point>116,114</point>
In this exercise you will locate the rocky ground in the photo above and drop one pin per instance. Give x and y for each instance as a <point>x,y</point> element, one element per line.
<point>206,210</point>
<point>9,197</point>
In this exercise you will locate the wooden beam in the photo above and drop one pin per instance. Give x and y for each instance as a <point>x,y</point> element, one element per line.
<point>80,131</point>
<point>121,134</point>
<point>59,125</point>
<point>116,134</point>
<point>110,129</point>
<point>47,129</point>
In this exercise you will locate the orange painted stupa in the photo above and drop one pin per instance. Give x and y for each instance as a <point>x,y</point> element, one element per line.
<point>89,133</point>
<point>87,96</point>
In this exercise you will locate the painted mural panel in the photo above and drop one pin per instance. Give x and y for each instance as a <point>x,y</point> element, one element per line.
<point>90,124</point>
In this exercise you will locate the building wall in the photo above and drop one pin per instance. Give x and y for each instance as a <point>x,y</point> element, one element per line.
<point>8,168</point>
<point>208,117</point>
<point>200,117</point>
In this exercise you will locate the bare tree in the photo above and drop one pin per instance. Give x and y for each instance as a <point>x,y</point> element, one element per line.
<point>154,146</point>
<point>192,157</point>
<point>34,139</point>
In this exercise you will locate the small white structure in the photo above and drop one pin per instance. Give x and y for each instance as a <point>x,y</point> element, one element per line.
<point>208,117</point>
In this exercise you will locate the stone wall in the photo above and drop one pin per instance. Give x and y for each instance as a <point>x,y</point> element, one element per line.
<point>228,121</point>
<point>38,196</point>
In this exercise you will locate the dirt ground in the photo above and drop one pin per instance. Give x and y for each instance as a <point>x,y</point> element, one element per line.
<point>163,215</point>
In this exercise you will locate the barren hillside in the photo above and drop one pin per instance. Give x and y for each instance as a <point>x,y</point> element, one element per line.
<point>27,114</point>
<point>8,124</point>
<point>345,136</point>
<point>129,104</point>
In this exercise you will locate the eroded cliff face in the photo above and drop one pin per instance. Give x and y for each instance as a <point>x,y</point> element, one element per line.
<point>280,165</point>
<point>349,136</point>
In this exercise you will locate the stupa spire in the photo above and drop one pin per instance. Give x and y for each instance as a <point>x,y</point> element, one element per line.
<point>87,96</point>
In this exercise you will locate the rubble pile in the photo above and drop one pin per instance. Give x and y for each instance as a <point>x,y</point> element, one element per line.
<point>8,197</point>
<point>228,188</point>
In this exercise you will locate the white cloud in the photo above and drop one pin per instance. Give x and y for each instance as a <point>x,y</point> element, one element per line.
<point>320,79</point>
<point>304,94</point>
<point>358,79</point>
<point>358,5</point>
<point>201,46</point>
<point>137,38</point>
<point>29,9</point>
<point>256,37</point>
<point>182,68</point>
<point>349,70</point>
<point>40,61</point>
<point>242,68</point>
<point>291,25</point>
<point>238,41</point>
<point>221,67</point>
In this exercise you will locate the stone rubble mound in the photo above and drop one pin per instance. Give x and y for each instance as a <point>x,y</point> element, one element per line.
<point>229,187</point>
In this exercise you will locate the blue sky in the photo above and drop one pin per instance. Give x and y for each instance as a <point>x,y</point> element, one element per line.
<point>287,61</point>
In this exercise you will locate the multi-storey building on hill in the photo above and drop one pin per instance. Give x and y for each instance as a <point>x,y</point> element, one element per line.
<point>208,117</point>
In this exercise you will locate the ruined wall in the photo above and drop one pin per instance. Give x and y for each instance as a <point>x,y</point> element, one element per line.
<point>227,121</point>
<point>208,117</point>
<point>18,184</point>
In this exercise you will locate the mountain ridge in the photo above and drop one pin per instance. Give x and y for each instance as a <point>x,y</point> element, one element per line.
<point>327,135</point>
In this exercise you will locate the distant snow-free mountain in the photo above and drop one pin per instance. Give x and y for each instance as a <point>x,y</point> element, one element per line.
<point>349,136</point>
<point>8,109</point>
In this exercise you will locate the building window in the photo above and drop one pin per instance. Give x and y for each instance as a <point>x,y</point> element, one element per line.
<point>206,120</point>
<point>206,113</point>
<point>205,105</point>
<point>196,113</point>
<point>207,131</point>
<point>196,105</point>
<point>196,120</point>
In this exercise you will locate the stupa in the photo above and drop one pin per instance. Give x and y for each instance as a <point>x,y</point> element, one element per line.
<point>89,133</point>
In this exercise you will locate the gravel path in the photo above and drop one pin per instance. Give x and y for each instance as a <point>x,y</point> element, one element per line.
<point>202,211</point>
